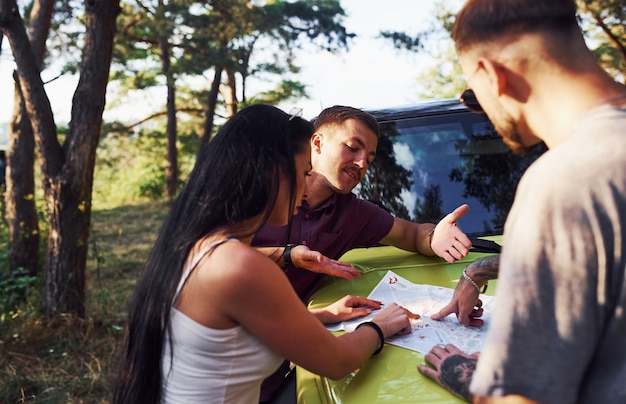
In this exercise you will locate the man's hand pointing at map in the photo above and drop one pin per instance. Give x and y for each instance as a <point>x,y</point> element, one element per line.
<point>465,302</point>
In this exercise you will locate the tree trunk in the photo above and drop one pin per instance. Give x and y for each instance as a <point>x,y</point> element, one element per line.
<point>171,169</point>
<point>230,93</point>
<point>621,48</point>
<point>209,113</point>
<point>21,208</point>
<point>67,171</point>
<point>68,196</point>
<point>20,191</point>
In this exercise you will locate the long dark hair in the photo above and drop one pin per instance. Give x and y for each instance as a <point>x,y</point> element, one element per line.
<point>235,178</point>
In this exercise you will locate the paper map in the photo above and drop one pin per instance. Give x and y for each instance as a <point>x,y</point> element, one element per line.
<point>424,300</point>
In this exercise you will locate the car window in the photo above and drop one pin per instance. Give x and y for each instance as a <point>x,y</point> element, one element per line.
<point>426,166</point>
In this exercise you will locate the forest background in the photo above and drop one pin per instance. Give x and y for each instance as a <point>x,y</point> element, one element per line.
<point>83,201</point>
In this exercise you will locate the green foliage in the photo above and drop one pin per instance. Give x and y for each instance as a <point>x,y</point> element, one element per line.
<point>320,21</point>
<point>66,36</point>
<point>18,286</point>
<point>286,90</point>
<point>71,360</point>
<point>130,79</point>
<point>247,39</point>
<point>404,41</point>
<point>443,78</point>
<point>386,179</point>
<point>65,360</point>
<point>130,167</point>
<point>429,210</point>
<point>14,288</point>
<point>4,235</point>
<point>604,23</point>
<point>4,240</point>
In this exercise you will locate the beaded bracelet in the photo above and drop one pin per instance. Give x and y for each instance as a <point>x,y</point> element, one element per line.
<point>381,336</point>
<point>470,280</point>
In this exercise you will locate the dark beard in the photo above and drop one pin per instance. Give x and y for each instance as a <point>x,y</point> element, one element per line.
<point>509,130</point>
<point>514,144</point>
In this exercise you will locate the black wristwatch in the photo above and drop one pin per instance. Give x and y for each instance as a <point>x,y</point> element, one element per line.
<point>287,256</point>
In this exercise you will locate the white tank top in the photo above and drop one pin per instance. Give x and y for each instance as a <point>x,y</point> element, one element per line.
<point>209,365</point>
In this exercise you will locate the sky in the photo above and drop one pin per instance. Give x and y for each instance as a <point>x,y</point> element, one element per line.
<point>371,74</point>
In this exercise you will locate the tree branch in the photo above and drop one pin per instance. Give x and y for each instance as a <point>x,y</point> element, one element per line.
<point>35,97</point>
<point>126,128</point>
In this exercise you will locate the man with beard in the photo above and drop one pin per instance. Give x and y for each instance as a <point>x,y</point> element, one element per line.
<point>557,331</point>
<point>332,220</point>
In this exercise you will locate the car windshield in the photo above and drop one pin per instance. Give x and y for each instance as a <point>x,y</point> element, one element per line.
<point>427,166</point>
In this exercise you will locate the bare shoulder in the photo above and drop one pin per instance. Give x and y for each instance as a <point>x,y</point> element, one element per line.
<point>238,262</point>
<point>240,256</point>
<point>231,274</point>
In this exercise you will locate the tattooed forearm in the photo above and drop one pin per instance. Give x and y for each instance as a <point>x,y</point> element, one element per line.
<point>456,373</point>
<point>484,269</point>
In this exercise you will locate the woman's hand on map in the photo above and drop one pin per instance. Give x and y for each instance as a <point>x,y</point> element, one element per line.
<point>346,308</point>
<point>453,369</point>
<point>395,319</point>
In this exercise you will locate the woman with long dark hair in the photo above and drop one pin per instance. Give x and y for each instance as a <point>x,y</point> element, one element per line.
<point>211,317</point>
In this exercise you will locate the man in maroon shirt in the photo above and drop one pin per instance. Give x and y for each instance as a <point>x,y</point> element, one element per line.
<point>332,220</point>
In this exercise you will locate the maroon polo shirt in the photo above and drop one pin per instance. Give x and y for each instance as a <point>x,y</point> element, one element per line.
<point>341,223</point>
<point>338,225</point>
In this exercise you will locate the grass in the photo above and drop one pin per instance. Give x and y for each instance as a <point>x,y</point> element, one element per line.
<point>69,359</point>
